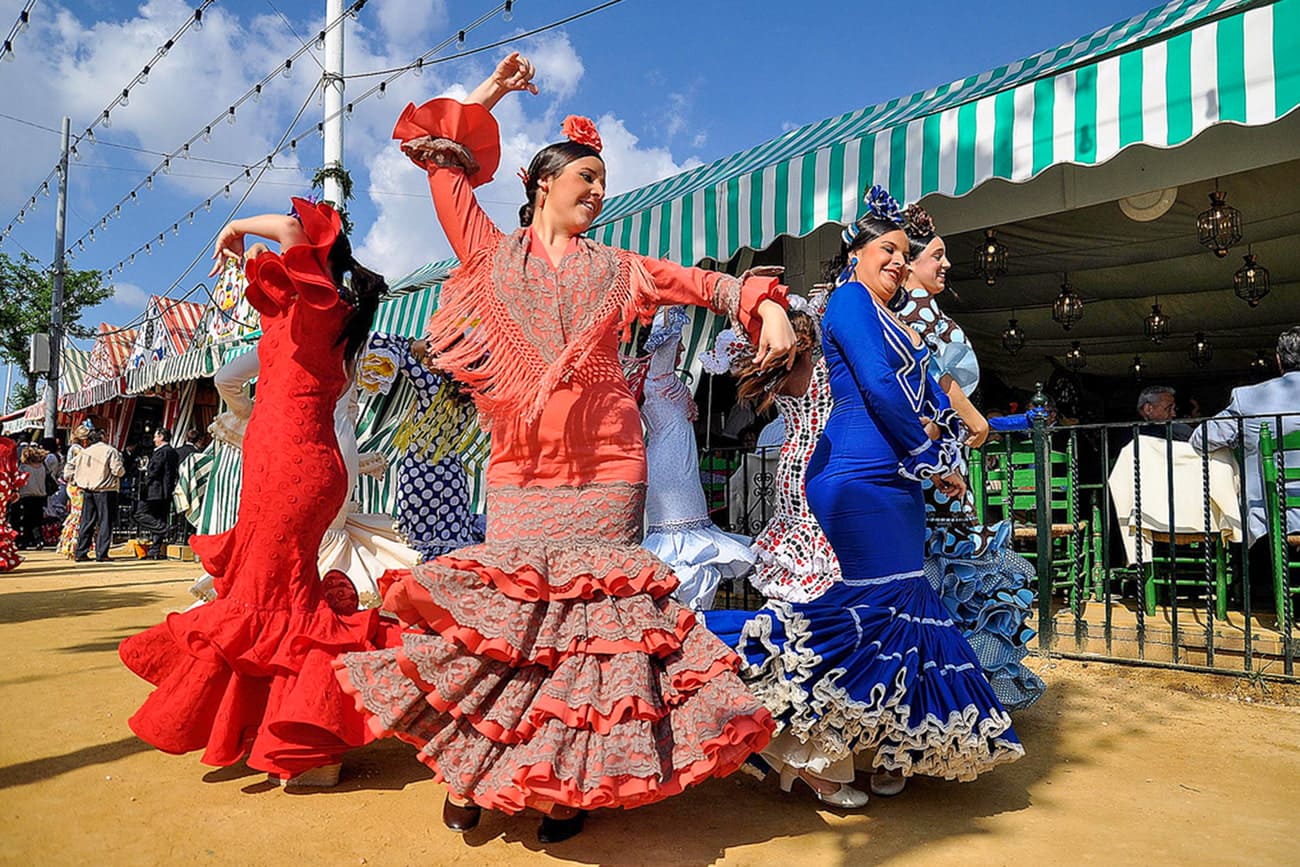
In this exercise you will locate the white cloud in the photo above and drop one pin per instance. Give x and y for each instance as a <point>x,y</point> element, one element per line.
<point>130,296</point>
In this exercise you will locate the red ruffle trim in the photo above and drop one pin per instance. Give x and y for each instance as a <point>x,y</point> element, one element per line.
<point>414,607</point>
<point>235,682</point>
<point>472,126</point>
<point>528,585</point>
<point>303,270</point>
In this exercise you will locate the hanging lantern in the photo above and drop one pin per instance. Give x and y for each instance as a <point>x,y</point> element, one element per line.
<point>1251,282</point>
<point>1262,366</point>
<point>1156,325</point>
<point>990,258</point>
<point>1201,352</point>
<point>1219,227</point>
<point>1067,309</point>
<point>1076,358</point>
<point>1136,368</point>
<point>1013,338</point>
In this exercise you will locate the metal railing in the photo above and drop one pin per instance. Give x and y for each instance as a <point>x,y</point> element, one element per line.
<point>1190,596</point>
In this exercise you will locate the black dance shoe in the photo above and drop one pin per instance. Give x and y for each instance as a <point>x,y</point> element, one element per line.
<point>559,830</point>
<point>460,818</point>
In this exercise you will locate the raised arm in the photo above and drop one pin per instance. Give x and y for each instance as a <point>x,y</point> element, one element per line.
<point>459,146</point>
<point>282,229</point>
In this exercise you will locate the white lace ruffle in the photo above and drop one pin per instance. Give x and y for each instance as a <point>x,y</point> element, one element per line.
<point>794,563</point>
<point>960,747</point>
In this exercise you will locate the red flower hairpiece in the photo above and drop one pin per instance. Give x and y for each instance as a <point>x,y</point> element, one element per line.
<point>581,130</point>
<point>522,174</point>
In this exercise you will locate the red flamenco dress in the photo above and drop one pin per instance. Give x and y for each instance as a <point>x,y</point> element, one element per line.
<point>250,674</point>
<point>549,665</point>
<point>11,481</point>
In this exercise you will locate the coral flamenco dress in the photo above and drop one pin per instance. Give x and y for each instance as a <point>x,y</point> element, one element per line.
<point>250,673</point>
<point>550,665</point>
<point>11,480</point>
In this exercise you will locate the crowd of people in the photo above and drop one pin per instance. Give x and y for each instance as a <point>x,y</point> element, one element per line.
<point>561,658</point>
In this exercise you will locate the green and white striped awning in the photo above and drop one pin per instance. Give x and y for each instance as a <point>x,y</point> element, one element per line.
<point>1157,79</point>
<point>189,365</point>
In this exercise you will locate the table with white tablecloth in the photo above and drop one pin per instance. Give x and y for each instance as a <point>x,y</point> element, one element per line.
<point>1188,493</point>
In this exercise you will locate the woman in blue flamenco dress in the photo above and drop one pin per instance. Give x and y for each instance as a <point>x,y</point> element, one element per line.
<point>987,587</point>
<point>876,663</point>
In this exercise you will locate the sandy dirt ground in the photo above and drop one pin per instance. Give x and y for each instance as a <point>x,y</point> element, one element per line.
<point>1123,767</point>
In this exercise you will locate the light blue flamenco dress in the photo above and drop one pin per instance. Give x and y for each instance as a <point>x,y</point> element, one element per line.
<point>679,530</point>
<point>876,663</point>
<point>987,587</point>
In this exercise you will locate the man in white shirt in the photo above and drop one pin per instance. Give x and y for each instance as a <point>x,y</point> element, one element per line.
<point>97,470</point>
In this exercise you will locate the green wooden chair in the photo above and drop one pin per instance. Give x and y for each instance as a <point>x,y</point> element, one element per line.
<point>1281,461</point>
<point>1004,479</point>
<point>1186,568</point>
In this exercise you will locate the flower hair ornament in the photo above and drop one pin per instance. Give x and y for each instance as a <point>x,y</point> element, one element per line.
<point>522,174</point>
<point>581,130</point>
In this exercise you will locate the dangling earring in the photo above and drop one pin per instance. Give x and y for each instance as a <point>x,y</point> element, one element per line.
<point>847,274</point>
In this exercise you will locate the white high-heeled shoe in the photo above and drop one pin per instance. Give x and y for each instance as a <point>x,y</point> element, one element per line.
<point>845,797</point>
<point>887,785</point>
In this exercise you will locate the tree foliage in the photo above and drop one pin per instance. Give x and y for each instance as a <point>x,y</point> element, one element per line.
<point>26,293</point>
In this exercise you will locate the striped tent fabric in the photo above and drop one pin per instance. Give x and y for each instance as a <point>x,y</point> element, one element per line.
<point>1157,79</point>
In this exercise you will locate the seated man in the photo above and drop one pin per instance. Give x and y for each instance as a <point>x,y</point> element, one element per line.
<point>1155,405</point>
<point>1278,396</point>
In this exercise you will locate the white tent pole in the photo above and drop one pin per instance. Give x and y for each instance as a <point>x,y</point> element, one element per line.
<point>333,84</point>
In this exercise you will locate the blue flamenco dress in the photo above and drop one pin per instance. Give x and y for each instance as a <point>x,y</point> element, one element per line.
<point>876,662</point>
<point>986,586</point>
<point>433,497</point>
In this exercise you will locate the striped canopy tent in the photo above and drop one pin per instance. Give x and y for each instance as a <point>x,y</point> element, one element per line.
<point>1186,92</point>
<point>165,335</point>
<point>1157,79</point>
<point>72,373</point>
<point>106,362</point>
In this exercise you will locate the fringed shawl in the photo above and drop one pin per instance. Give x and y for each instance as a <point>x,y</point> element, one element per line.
<point>511,337</point>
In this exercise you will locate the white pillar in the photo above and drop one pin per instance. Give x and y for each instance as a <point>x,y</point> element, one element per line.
<point>333,84</point>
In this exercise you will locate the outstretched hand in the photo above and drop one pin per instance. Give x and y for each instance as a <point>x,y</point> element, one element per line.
<point>515,72</point>
<point>229,245</point>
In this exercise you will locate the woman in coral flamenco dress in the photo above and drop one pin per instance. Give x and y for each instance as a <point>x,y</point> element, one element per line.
<point>548,668</point>
<point>249,675</point>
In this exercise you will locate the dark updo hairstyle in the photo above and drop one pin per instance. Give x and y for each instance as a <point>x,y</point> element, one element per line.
<point>861,233</point>
<point>761,386</point>
<point>920,229</point>
<point>362,291</point>
<point>548,163</point>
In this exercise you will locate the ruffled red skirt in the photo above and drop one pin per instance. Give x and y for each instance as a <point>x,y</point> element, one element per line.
<point>237,680</point>
<point>554,668</point>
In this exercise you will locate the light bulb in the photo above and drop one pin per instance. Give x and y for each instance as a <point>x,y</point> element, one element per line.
<point>288,67</point>
<point>185,151</point>
<point>130,260</point>
<point>320,41</point>
<point>76,154</point>
<point>460,37</point>
<point>293,145</point>
<point>198,20</point>
<point>207,133</point>
<point>257,93</point>
<point>148,181</point>
<point>105,119</point>
<point>167,165</point>
<point>24,18</point>
<point>89,134</point>
<point>383,87</point>
<point>91,234</point>
<point>161,239</point>
<point>226,191</point>
<point>22,216</point>
<point>166,46</point>
<point>126,97</point>
<point>176,229</point>
<point>148,250</point>
<point>348,112</point>
<point>230,115</point>
<point>508,15</point>
<point>7,52</point>
<point>190,217</point>
<point>144,75</point>
<point>133,196</point>
<point>103,222</point>
<point>418,68</point>
<point>207,205</point>
<point>117,210</point>
<point>45,188</point>
<point>31,203</point>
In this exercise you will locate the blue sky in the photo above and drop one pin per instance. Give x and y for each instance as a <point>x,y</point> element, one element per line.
<point>671,84</point>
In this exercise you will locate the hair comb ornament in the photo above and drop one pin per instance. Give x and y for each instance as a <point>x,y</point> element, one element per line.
<point>522,174</point>
<point>882,206</point>
<point>582,130</point>
<point>919,222</point>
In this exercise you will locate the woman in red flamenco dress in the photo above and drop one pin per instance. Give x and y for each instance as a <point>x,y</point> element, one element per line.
<point>548,668</point>
<point>11,480</point>
<point>249,675</point>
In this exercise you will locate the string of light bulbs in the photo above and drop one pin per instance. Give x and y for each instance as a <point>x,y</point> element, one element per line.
<point>225,190</point>
<point>182,152</point>
<point>194,22</point>
<point>23,22</point>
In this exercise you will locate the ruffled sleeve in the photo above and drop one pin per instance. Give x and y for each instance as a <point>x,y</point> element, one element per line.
<point>737,297</point>
<point>466,145</point>
<point>303,270</point>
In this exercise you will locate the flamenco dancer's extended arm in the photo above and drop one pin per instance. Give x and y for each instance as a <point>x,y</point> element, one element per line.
<point>280,228</point>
